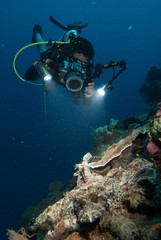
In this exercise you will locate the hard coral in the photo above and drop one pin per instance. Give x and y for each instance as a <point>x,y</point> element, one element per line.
<point>117,148</point>
<point>147,173</point>
<point>89,205</point>
<point>155,126</point>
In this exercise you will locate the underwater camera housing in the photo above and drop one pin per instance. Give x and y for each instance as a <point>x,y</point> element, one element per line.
<point>73,75</point>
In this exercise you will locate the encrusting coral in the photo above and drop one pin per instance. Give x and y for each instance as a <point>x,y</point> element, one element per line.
<point>117,148</point>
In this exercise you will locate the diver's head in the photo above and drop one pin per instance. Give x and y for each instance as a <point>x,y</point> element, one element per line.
<point>82,49</point>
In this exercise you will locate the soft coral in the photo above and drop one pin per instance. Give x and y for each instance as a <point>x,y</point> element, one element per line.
<point>152,147</point>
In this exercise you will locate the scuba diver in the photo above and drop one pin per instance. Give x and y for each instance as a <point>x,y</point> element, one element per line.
<point>66,64</point>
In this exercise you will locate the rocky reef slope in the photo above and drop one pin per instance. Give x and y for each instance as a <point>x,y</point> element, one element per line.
<point>118,189</point>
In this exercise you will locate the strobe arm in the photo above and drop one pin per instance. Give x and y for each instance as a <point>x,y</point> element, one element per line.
<point>122,64</point>
<point>99,68</point>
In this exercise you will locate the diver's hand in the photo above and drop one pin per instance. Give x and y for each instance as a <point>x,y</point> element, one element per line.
<point>89,90</point>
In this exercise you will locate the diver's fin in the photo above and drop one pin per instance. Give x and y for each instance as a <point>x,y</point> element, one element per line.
<point>73,26</point>
<point>76,26</point>
<point>36,29</point>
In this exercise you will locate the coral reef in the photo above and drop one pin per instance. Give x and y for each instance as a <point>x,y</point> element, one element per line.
<point>117,195</point>
<point>121,204</point>
<point>117,205</point>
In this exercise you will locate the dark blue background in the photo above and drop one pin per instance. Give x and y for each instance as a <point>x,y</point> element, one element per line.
<point>33,153</point>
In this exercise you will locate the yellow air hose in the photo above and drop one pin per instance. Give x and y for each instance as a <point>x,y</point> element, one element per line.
<point>27,46</point>
<point>22,79</point>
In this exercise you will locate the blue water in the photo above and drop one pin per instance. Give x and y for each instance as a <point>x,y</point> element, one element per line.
<point>34,154</point>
